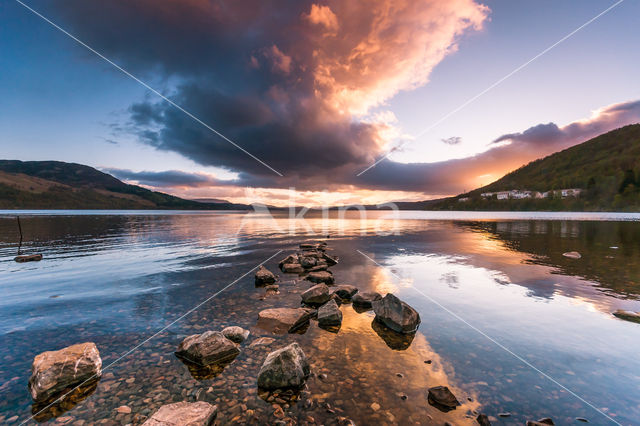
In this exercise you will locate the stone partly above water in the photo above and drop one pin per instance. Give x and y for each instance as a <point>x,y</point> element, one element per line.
<point>236,334</point>
<point>442,398</point>
<point>627,315</point>
<point>396,314</point>
<point>28,258</point>
<point>541,422</point>
<point>184,413</point>
<point>210,347</point>
<point>54,372</point>
<point>321,277</point>
<point>316,295</point>
<point>364,300</point>
<point>292,268</point>
<point>345,291</point>
<point>329,314</point>
<point>264,276</point>
<point>572,255</point>
<point>284,368</point>
<point>284,320</point>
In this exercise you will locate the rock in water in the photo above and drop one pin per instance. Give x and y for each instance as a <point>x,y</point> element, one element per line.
<point>292,258</point>
<point>284,368</point>
<point>442,398</point>
<point>283,320</point>
<point>184,413</point>
<point>572,255</point>
<point>264,276</point>
<point>321,277</point>
<point>210,347</point>
<point>28,258</point>
<point>53,372</point>
<point>308,262</point>
<point>483,420</point>
<point>365,299</point>
<point>330,260</point>
<point>542,422</point>
<point>345,292</point>
<point>316,295</point>
<point>396,314</point>
<point>329,314</point>
<point>627,315</point>
<point>236,334</point>
<point>292,268</point>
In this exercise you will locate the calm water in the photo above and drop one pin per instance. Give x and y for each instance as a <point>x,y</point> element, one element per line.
<point>508,323</point>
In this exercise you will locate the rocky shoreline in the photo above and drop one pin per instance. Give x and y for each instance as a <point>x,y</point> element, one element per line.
<point>285,370</point>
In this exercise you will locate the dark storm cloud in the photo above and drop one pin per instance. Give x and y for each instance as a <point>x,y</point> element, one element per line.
<point>167,179</point>
<point>286,80</point>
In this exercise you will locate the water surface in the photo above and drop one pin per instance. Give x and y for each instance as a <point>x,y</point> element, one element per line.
<point>508,323</point>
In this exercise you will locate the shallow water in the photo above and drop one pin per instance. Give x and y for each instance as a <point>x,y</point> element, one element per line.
<point>508,323</point>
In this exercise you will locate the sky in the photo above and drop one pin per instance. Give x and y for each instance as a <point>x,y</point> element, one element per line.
<point>294,101</point>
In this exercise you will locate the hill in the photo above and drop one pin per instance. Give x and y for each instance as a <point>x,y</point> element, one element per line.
<point>606,167</point>
<point>60,185</point>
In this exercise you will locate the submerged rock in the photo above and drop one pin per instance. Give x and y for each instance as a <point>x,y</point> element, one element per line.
<point>54,372</point>
<point>542,422</point>
<point>345,291</point>
<point>321,277</point>
<point>284,368</point>
<point>442,398</point>
<point>627,315</point>
<point>264,276</point>
<point>316,295</point>
<point>329,314</point>
<point>572,255</point>
<point>283,320</point>
<point>210,347</point>
<point>56,406</point>
<point>396,341</point>
<point>483,420</point>
<point>184,413</point>
<point>236,334</point>
<point>364,300</point>
<point>396,314</point>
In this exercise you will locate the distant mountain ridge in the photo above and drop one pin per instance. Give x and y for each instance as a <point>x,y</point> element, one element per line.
<point>60,185</point>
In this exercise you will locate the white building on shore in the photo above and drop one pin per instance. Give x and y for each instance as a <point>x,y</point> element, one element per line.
<point>517,194</point>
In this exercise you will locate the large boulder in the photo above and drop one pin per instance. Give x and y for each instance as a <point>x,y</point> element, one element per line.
<point>54,372</point>
<point>345,291</point>
<point>184,413</point>
<point>316,295</point>
<point>284,368</point>
<point>321,277</point>
<point>210,347</point>
<point>264,276</point>
<point>365,299</point>
<point>329,314</point>
<point>283,320</point>
<point>236,334</point>
<point>396,314</point>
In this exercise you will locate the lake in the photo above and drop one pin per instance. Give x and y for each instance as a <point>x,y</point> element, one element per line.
<point>515,329</point>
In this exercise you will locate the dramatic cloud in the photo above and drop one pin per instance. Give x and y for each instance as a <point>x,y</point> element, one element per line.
<point>293,82</point>
<point>167,179</point>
